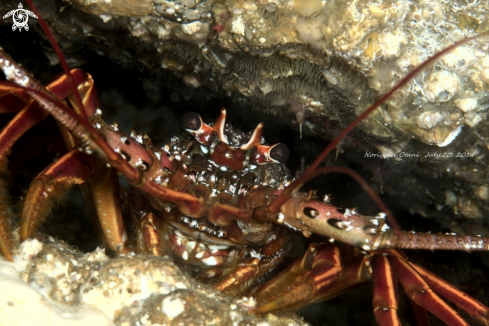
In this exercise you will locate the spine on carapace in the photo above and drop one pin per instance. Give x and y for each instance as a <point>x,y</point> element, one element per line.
<point>395,239</point>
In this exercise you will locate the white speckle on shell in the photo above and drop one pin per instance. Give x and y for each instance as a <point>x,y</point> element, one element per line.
<point>185,255</point>
<point>255,254</point>
<point>24,81</point>
<point>204,149</point>
<point>8,70</point>
<point>212,261</point>
<point>280,218</point>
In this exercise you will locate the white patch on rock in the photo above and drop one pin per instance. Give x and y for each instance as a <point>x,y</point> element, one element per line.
<point>441,86</point>
<point>459,58</point>
<point>191,28</point>
<point>238,26</point>
<point>172,307</point>
<point>472,119</point>
<point>451,137</point>
<point>390,43</point>
<point>106,18</point>
<point>309,30</point>
<point>30,248</point>
<point>23,305</point>
<point>466,104</point>
<point>330,78</point>
<point>429,119</point>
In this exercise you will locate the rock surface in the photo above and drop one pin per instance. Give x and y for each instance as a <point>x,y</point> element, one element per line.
<point>332,58</point>
<point>52,284</point>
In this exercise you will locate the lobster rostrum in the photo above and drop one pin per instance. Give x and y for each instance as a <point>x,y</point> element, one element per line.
<point>223,202</point>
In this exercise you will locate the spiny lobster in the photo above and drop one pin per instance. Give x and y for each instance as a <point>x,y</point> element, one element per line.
<point>225,204</point>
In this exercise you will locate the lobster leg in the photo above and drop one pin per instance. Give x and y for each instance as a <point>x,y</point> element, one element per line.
<point>271,254</point>
<point>420,314</point>
<point>49,185</point>
<point>104,187</point>
<point>31,113</point>
<point>150,234</point>
<point>473,307</point>
<point>421,293</point>
<point>5,214</point>
<point>386,297</point>
<point>12,100</point>
<point>245,272</point>
<point>28,114</point>
<point>55,180</point>
<point>103,182</point>
<point>93,142</point>
<point>310,275</point>
<point>69,170</point>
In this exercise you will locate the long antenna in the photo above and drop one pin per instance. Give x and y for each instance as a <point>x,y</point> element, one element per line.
<point>60,55</point>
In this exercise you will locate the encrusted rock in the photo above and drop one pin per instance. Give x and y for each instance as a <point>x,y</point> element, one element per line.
<point>334,58</point>
<point>63,286</point>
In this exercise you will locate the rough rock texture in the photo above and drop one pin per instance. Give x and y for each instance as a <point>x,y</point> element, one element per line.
<point>330,57</point>
<point>72,288</point>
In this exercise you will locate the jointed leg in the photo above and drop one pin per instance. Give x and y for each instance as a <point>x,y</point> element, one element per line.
<point>420,292</point>
<point>386,299</point>
<point>104,186</point>
<point>473,307</point>
<point>51,184</point>
<point>308,277</point>
<point>5,215</point>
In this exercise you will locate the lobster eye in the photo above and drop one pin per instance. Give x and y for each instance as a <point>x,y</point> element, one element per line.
<point>191,121</point>
<point>279,153</point>
<point>310,212</point>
